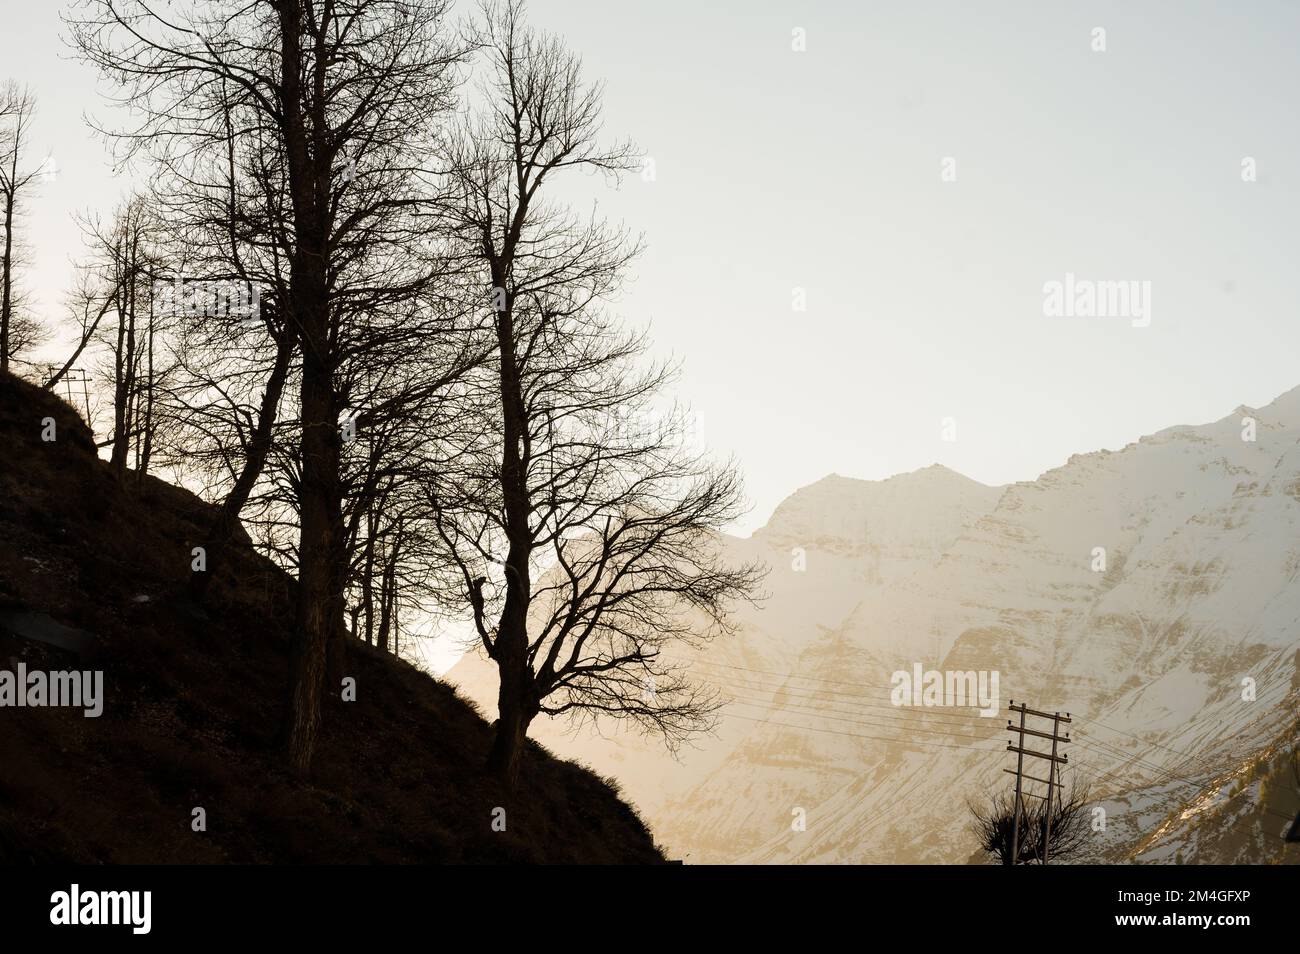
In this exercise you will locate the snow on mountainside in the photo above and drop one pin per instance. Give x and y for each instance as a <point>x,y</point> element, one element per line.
<point>1150,592</point>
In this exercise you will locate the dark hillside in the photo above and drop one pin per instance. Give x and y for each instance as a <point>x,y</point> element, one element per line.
<point>92,576</point>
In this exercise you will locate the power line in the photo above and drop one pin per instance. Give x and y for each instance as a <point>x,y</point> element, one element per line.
<point>837,682</point>
<point>778,691</point>
<point>807,695</point>
<point>856,735</point>
<point>1161,770</point>
<point>1162,774</point>
<point>825,695</point>
<point>820,695</point>
<point>1186,755</point>
<point>1110,750</point>
<point>901,711</point>
<point>865,724</point>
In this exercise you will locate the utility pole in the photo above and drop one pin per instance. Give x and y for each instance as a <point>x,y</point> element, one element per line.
<point>1051,778</point>
<point>84,381</point>
<point>1053,759</point>
<point>1020,768</point>
<point>1293,833</point>
<point>73,376</point>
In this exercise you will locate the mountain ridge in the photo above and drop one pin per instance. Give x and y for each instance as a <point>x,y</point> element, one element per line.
<point>1136,587</point>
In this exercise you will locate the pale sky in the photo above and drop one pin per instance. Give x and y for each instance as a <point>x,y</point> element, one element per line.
<point>820,170</point>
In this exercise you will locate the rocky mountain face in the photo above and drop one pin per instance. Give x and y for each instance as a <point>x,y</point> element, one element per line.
<point>1150,592</point>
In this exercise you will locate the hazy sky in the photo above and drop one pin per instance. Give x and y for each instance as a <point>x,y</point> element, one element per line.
<point>820,170</point>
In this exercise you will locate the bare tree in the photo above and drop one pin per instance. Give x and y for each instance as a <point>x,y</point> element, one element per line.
<point>118,283</point>
<point>18,331</point>
<point>346,94</point>
<point>230,219</point>
<point>395,565</point>
<point>993,822</point>
<point>583,535</point>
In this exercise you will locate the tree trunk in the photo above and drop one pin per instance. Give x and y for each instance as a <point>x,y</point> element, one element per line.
<point>368,577</point>
<point>121,388</point>
<point>388,594</point>
<point>7,271</point>
<point>132,393</point>
<point>514,715</point>
<point>336,646</point>
<point>146,437</point>
<point>259,445</point>
<point>319,613</point>
<point>516,705</point>
<point>322,553</point>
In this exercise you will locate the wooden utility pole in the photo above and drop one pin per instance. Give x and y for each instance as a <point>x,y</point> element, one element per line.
<point>72,376</point>
<point>1051,778</point>
<point>1053,759</point>
<point>1293,833</point>
<point>1020,770</point>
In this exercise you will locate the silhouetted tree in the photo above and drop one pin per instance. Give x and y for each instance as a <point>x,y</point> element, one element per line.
<point>582,533</point>
<point>226,203</point>
<point>121,273</point>
<point>343,98</point>
<point>18,331</point>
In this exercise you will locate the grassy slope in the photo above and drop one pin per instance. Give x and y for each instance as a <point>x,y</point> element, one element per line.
<point>194,699</point>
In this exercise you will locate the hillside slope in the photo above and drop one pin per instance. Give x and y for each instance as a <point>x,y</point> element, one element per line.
<point>92,576</point>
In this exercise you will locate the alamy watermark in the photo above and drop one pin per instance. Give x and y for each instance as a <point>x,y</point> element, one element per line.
<point>1086,298</point>
<point>188,298</point>
<point>77,907</point>
<point>20,689</point>
<point>953,687</point>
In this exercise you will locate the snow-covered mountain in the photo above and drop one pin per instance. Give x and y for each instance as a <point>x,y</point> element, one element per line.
<point>1150,592</point>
